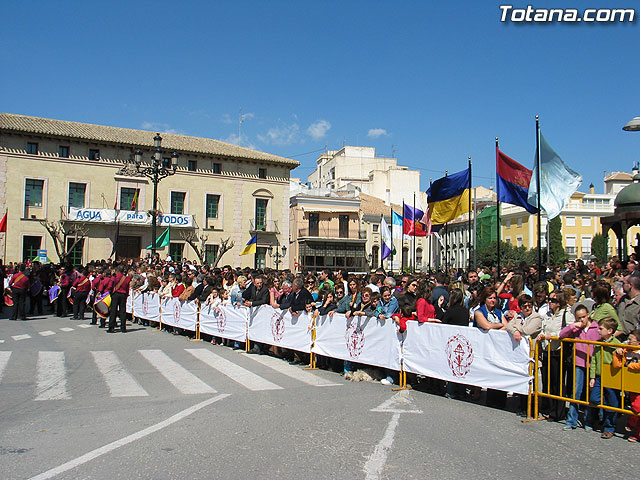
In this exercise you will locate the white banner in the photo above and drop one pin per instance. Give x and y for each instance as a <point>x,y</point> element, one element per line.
<point>188,315</point>
<point>225,321</point>
<point>103,215</point>
<point>129,305</point>
<point>137,303</point>
<point>365,340</point>
<point>150,308</point>
<point>276,327</point>
<point>179,314</point>
<point>467,355</point>
<point>92,215</point>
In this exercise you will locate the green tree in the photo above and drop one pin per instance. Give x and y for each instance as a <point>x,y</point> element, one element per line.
<point>556,250</point>
<point>488,255</point>
<point>600,248</point>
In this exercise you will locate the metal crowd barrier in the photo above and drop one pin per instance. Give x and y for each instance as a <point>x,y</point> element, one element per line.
<point>621,379</point>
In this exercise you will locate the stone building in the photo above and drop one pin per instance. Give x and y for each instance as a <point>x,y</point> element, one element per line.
<point>83,174</point>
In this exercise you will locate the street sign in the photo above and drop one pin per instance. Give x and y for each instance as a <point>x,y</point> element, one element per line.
<point>42,256</point>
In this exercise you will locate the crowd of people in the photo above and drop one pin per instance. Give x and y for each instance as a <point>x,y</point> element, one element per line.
<point>573,300</point>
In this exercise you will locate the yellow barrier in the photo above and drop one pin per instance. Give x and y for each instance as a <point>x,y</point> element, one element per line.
<point>620,379</point>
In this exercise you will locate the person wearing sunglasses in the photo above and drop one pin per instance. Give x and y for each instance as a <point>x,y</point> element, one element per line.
<point>553,373</point>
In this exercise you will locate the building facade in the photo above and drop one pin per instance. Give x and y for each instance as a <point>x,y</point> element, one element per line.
<point>82,174</point>
<point>580,220</point>
<point>360,169</point>
<point>325,231</point>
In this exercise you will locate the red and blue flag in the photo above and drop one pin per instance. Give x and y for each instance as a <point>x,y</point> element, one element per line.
<point>512,182</point>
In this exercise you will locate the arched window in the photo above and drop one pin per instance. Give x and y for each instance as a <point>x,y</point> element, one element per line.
<point>418,257</point>
<point>262,217</point>
<point>375,257</point>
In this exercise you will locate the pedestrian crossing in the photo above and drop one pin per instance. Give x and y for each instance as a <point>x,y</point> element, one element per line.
<point>131,377</point>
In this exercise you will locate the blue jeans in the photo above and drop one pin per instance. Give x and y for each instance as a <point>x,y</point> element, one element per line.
<point>611,399</point>
<point>578,394</point>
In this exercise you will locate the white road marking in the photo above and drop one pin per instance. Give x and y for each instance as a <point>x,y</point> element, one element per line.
<point>84,325</point>
<point>67,329</point>
<point>235,372</point>
<point>52,380</point>
<point>180,377</point>
<point>1,341</point>
<point>46,333</point>
<point>21,337</point>
<point>119,381</point>
<point>375,464</point>
<point>4,360</point>
<point>87,457</point>
<point>292,371</point>
<point>399,403</point>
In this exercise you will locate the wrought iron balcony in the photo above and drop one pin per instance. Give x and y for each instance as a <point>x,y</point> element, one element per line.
<point>268,226</point>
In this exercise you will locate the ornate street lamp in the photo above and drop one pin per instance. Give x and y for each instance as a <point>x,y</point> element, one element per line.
<point>276,254</point>
<point>156,172</point>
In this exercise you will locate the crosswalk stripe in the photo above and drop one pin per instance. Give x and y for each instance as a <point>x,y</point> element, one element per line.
<point>180,377</point>
<point>21,337</point>
<point>84,325</point>
<point>67,329</point>
<point>119,381</point>
<point>46,333</point>
<point>52,380</point>
<point>4,360</point>
<point>291,371</point>
<point>238,374</point>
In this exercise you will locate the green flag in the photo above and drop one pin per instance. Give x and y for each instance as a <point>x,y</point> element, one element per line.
<point>162,241</point>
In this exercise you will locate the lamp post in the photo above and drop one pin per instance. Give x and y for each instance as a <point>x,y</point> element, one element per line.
<point>155,172</point>
<point>276,254</point>
<point>632,125</point>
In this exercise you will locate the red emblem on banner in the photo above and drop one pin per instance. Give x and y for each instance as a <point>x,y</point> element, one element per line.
<point>145,305</point>
<point>221,319</point>
<point>176,311</point>
<point>277,326</point>
<point>354,337</point>
<point>459,355</point>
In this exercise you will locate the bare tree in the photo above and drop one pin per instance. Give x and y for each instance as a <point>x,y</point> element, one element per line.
<point>198,242</point>
<point>226,244</point>
<point>60,231</point>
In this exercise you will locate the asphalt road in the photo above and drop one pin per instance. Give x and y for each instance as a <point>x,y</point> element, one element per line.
<point>78,403</point>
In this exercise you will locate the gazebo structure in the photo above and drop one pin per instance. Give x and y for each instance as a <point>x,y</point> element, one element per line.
<point>625,216</point>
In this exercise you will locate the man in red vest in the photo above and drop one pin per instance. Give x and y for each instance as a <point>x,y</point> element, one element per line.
<point>119,300</point>
<point>19,285</point>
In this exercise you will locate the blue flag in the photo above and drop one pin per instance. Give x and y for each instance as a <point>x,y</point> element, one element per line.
<point>558,182</point>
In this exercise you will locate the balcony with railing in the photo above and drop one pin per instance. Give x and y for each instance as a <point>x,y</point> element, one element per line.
<point>264,226</point>
<point>331,233</point>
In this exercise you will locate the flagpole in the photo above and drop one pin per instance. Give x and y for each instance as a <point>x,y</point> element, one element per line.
<point>446,238</point>
<point>4,259</point>
<point>430,238</point>
<point>498,204</point>
<point>470,191</point>
<point>413,269</point>
<point>402,242</point>
<point>382,242</point>
<point>391,267</point>
<point>538,196</point>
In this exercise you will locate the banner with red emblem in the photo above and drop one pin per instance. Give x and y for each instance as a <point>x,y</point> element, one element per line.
<point>367,340</point>
<point>179,314</point>
<point>224,321</point>
<point>276,327</point>
<point>467,355</point>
